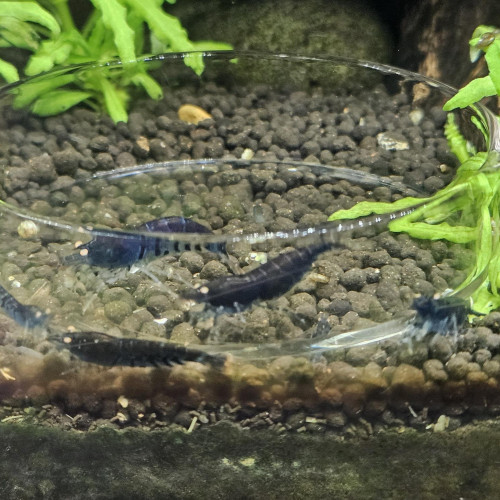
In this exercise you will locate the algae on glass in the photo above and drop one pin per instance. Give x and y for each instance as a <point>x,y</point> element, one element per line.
<point>124,29</point>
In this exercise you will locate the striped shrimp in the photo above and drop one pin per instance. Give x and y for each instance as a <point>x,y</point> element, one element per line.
<point>278,275</point>
<point>267,281</point>
<point>106,350</point>
<point>120,249</point>
<point>25,315</point>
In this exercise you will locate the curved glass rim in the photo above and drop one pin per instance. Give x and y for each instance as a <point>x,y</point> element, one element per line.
<point>328,229</point>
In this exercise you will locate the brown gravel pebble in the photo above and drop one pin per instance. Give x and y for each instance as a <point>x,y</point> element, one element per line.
<point>434,370</point>
<point>457,367</point>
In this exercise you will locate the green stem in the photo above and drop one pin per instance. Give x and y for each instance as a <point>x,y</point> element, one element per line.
<point>64,15</point>
<point>90,23</point>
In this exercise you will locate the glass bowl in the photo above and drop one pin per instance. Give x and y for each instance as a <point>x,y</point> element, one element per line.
<point>187,254</point>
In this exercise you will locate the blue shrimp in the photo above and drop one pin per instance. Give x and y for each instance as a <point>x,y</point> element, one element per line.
<point>442,316</point>
<point>120,249</point>
<point>278,275</point>
<point>103,349</point>
<point>25,315</point>
<point>267,281</point>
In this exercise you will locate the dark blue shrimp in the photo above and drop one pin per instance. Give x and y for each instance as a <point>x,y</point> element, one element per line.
<point>103,349</point>
<point>119,249</point>
<point>444,315</point>
<point>279,274</point>
<point>27,316</point>
<point>267,281</point>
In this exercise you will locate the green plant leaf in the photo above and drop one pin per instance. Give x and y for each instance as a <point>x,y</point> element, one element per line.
<point>51,53</point>
<point>443,231</point>
<point>16,33</point>
<point>168,30</point>
<point>494,274</point>
<point>57,101</point>
<point>483,301</point>
<point>8,72</point>
<point>31,12</point>
<point>113,27</point>
<point>492,57</point>
<point>365,208</point>
<point>149,84</point>
<point>27,92</point>
<point>456,141</point>
<point>481,127</point>
<point>114,17</point>
<point>96,35</point>
<point>484,242</point>
<point>115,102</point>
<point>471,93</point>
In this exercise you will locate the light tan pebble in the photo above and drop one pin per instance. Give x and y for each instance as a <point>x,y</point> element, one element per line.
<point>481,356</point>
<point>319,278</point>
<point>416,116</point>
<point>442,423</point>
<point>27,229</point>
<point>123,401</point>
<point>260,257</point>
<point>247,462</point>
<point>247,154</point>
<point>120,417</point>
<point>143,143</point>
<point>392,141</point>
<point>192,114</point>
<point>421,92</point>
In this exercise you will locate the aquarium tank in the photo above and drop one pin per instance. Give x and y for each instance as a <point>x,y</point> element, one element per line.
<point>200,238</point>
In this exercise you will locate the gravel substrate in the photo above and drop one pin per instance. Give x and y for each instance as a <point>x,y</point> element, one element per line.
<point>375,277</point>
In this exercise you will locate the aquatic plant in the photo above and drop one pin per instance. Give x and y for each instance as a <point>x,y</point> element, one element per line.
<point>467,210</point>
<point>114,28</point>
